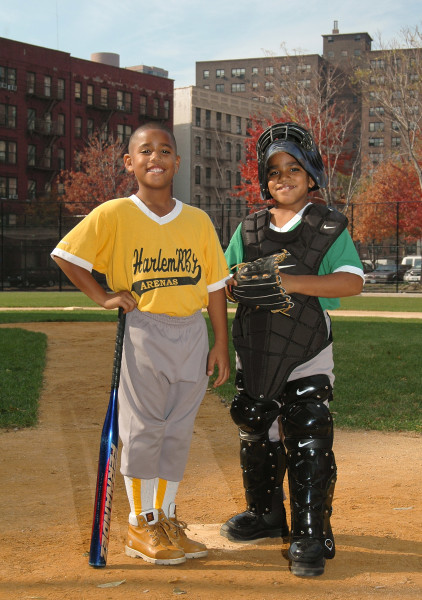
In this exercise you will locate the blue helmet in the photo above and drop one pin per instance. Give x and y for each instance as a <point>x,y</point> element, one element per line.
<point>296,141</point>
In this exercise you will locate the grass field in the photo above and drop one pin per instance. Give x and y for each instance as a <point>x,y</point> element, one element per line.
<point>378,360</point>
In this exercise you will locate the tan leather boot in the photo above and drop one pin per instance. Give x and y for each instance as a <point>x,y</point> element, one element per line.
<point>150,542</point>
<point>175,531</point>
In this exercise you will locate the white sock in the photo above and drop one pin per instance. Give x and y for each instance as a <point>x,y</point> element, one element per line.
<point>165,495</point>
<point>140,493</point>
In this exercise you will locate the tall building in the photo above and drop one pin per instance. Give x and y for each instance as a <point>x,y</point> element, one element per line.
<point>210,130</point>
<point>266,79</point>
<point>51,103</point>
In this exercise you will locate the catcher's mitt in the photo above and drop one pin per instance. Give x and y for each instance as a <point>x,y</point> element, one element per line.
<point>259,285</point>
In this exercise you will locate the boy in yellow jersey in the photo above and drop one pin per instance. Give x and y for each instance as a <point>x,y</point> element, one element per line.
<point>165,264</point>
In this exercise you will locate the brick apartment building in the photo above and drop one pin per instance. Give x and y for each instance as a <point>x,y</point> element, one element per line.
<point>210,129</point>
<point>266,79</point>
<point>51,103</point>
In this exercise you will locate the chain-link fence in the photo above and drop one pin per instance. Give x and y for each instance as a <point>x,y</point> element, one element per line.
<point>30,230</point>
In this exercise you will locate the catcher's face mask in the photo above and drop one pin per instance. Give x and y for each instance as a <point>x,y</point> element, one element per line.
<point>296,141</point>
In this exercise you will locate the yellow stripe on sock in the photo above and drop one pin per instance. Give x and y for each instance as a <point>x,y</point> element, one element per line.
<point>161,490</point>
<point>136,490</point>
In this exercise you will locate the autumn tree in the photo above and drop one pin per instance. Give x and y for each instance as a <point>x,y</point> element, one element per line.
<point>393,81</point>
<point>100,176</point>
<point>389,198</point>
<point>316,99</point>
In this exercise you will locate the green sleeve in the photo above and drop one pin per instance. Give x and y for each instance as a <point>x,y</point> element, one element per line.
<point>234,253</point>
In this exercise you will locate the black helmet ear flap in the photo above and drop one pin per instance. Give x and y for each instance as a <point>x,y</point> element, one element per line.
<point>295,140</point>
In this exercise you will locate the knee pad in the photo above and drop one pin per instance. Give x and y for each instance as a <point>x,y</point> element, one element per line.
<point>307,421</point>
<point>253,416</point>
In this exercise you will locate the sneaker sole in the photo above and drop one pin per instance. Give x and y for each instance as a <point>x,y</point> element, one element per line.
<point>302,569</point>
<point>236,537</point>
<point>200,554</point>
<point>157,561</point>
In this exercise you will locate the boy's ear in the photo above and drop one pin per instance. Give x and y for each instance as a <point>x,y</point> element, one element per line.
<point>311,183</point>
<point>177,164</point>
<point>127,160</point>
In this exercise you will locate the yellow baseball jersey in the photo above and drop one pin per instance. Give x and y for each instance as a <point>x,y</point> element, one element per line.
<point>169,263</point>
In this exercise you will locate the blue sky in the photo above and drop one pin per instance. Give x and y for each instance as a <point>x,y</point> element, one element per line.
<point>174,34</point>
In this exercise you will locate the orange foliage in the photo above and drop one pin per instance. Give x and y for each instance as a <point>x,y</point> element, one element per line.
<point>101,177</point>
<point>392,190</point>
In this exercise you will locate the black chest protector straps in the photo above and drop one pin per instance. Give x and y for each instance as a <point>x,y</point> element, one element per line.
<point>270,345</point>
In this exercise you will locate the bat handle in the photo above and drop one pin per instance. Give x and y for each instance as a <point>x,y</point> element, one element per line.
<point>118,349</point>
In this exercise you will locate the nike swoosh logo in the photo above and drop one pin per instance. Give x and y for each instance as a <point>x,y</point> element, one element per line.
<point>329,226</point>
<point>301,444</point>
<point>301,392</point>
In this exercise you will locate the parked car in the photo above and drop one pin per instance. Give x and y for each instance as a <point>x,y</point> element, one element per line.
<point>384,274</point>
<point>34,278</point>
<point>412,275</point>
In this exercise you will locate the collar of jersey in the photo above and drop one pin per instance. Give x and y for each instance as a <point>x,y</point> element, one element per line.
<point>292,223</point>
<point>160,220</point>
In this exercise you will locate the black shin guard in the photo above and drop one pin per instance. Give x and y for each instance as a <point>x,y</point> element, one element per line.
<point>263,466</point>
<point>311,466</point>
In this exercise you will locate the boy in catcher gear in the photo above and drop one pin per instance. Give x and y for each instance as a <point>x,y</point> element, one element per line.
<point>284,356</point>
<point>165,264</point>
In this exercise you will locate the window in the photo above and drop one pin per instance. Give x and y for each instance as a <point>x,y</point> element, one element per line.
<point>228,179</point>
<point>219,87</point>
<point>228,123</point>
<point>208,147</point>
<point>330,53</point>
<point>356,53</point>
<point>60,124</point>
<point>47,86</point>
<point>60,89</point>
<point>254,70</point>
<point>238,87</point>
<point>228,205</point>
<point>166,108</point>
<point>197,175</point>
<point>205,74</point>
<point>32,189</point>
<point>123,133</point>
<point>301,67</point>
<point>208,204</point>
<point>198,146</point>
<point>269,85</point>
<point>238,124</point>
<point>78,91</point>
<point>104,132</point>
<point>377,63</point>
<point>124,101</point>
<point>31,155</point>
<point>90,127</point>
<point>255,85</point>
<point>8,187</point>
<point>104,97</point>
<point>8,78</point>
<point>8,116</point>
<point>238,206</point>
<point>376,126</point>
<point>61,159</point>
<point>197,201</point>
<point>343,53</point>
<point>207,118</point>
<point>238,72</point>
<point>304,83</point>
<point>376,110</point>
<point>228,150</point>
<point>376,157</point>
<point>78,127</point>
<point>219,73</point>
<point>197,117</point>
<point>46,159</point>
<point>7,152</point>
<point>376,141</point>
<point>30,83</point>
<point>269,70</point>
<point>238,152</point>
<point>156,107</point>
<point>90,95</point>
<point>218,117</point>
<point>30,119</point>
<point>208,175</point>
<point>285,68</point>
<point>238,181</point>
<point>143,105</point>
<point>395,141</point>
<point>395,125</point>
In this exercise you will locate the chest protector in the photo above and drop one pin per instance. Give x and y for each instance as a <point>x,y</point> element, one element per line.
<point>270,345</point>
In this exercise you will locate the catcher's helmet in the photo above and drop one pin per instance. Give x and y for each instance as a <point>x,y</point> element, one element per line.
<point>295,140</point>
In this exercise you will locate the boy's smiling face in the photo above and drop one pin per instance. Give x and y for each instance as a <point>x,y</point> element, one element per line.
<point>288,182</point>
<point>152,158</point>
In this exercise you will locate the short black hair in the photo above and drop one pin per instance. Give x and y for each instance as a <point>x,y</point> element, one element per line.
<point>153,125</point>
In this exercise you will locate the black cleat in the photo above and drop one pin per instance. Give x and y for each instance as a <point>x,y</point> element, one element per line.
<point>248,526</point>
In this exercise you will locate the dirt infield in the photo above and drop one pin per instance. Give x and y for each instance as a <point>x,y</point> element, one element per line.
<point>48,476</point>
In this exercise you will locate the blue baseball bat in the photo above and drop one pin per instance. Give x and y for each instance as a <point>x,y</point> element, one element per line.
<point>107,462</point>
